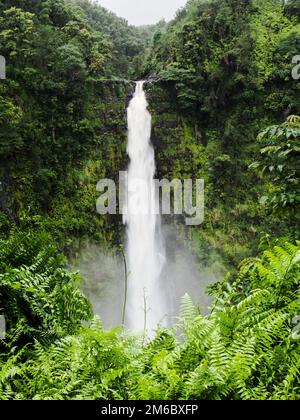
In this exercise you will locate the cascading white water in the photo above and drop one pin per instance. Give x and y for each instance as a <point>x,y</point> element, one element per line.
<point>145,252</point>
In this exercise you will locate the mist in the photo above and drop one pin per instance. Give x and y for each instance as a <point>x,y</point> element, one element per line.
<point>104,279</point>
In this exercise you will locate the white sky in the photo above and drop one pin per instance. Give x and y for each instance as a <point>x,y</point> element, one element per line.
<point>142,12</point>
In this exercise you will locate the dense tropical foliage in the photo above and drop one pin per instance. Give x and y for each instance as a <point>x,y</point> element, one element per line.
<point>225,108</point>
<point>248,347</point>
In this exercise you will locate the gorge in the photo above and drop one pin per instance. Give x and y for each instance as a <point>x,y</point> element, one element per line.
<point>79,289</point>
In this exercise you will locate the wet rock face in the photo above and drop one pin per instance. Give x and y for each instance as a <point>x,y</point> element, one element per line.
<point>166,126</point>
<point>173,137</point>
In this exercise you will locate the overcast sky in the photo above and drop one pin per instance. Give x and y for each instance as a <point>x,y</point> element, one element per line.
<point>142,12</point>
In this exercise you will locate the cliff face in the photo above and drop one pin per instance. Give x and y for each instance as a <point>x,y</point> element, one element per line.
<point>195,146</point>
<point>175,138</point>
<point>52,185</point>
<point>56,190</point>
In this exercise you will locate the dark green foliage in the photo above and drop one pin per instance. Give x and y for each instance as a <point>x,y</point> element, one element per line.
<point>62,129</point>
<point>39,298</point>
<point>292,8</point>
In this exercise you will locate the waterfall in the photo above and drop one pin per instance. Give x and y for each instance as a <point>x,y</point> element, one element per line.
<point>145,251</point>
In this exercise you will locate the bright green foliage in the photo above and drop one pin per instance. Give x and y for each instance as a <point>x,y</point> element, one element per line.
<point>247,348</point>
<point>279,161</point>
<point>93,365</point>
<point>40,299</point>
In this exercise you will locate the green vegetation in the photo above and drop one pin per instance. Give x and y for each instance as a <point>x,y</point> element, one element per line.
<point>247,348</point>
<point>279,161</point>
<point>224,109</point>
<point>226,69</point>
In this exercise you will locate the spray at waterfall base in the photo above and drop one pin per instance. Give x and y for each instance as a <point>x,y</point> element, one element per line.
<point>164,269</point>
